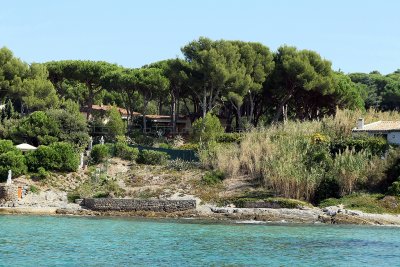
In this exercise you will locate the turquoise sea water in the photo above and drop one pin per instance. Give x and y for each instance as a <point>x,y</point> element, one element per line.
<point>81,241</point>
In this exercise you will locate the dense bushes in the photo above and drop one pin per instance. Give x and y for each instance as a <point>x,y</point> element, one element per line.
<point>230,138</point>
<point>375,145</point>
<point>126,152</point>
<point>56,157</point>
<point>394,189</point>
<point>44,128</point>
<point>189,146</point>
<point>207,129</point>
<point>14,161</point>
<point>115,124</point>
<point>10,159</point>
<point>152,157</point>
<point>99,153</point>
<point>213,177</point>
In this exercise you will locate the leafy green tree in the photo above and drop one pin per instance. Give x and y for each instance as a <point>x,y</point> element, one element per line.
<point>380,92</point>
<point>71,123</point>
<point>6,146</point>
<point>391,96</point>
<point>212,64</point>
<point>176,70</point>
<point>151,84</point>
<point>44,128</point>
<point>298,72</point>
<point>257,61</point>
<point>12,71</point>
<point>237,102</point>
<point>8,111</point>
<point>90,73</point>
<point>38,94</point>
<point>115,124</point>
<point>36,129</point>
<point>125,82</point>
<point>347,94</point>
<point>207,129</point>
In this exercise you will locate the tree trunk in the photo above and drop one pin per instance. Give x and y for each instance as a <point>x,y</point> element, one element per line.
<point>173,113</point>
<point>278,112</point>
<point>251,108</point>
<point>229,120</point>
<point>204,104</point>
<point>160,105</point>
<point>145,102</point>
<point>90,104</point>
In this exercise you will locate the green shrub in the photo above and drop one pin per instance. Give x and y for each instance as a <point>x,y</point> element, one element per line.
<point>41,173</point>
<point>101,194</point>
<point>141,139</point>
<point>99,153</point>
<point>207,129</point>
<point>43,156</point>
<point>327,188</point>
<point>126,152</point>
<point>213,177</point>
<point>56,157</point>
<point>372,203</point>
<point>67,156</point>
<point>230,138</point>
<point>164,145</point>
<point>111,149</point>
<point>14,161</point>
<point>189,146</point>
<point>6,146</point>
<point>34,189</point>
<point>375,145</point>
<point>72,196</point>
<point>285,203</point>
<point>115,124</point>
<point>394,189</point>
<point>152,157</point>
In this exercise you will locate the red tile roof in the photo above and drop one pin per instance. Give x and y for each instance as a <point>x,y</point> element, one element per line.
<point>107,107</point>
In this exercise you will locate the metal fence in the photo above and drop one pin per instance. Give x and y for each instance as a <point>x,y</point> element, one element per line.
<point>186,155</point>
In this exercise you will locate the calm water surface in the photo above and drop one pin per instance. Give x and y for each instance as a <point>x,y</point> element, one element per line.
<point>79,241</point>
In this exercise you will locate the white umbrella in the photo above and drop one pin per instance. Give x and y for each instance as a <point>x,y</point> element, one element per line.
<point>25,147</point>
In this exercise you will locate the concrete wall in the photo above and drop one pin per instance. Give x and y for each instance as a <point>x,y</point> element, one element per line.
<point>105,204</point>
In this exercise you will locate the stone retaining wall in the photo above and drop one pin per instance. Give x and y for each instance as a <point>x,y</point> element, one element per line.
<point>106,204</point>
<point>8,193</point>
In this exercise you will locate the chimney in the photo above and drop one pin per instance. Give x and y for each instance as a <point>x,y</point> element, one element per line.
<point>360,124</point>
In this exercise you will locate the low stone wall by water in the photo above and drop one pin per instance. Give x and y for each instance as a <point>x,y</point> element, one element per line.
<point>106,204</point>
<point>8,193</point>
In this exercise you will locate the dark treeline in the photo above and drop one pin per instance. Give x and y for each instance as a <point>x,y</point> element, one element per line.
<point>243,82</point>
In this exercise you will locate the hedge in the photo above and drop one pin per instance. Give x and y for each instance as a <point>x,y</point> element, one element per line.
<point>56,157</point>
<point>375,145</point>
<point>152,157</point>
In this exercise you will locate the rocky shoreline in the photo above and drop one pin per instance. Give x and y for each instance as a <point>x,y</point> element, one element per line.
<point>56,203</point>
<point>330,215</point>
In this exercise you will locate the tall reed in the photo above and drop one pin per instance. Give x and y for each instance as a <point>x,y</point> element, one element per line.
<point>286,159</point>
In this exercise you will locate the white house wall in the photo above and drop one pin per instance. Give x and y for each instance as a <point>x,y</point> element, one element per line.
<point>394,138</point>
